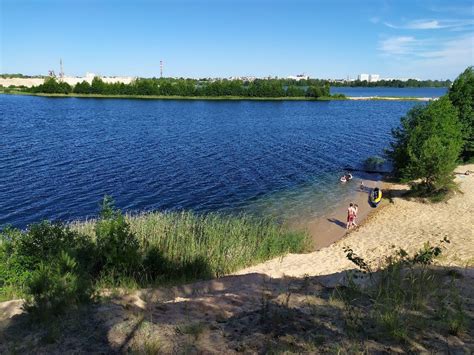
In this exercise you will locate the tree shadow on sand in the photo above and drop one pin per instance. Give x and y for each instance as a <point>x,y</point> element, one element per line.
<point>247,313</point>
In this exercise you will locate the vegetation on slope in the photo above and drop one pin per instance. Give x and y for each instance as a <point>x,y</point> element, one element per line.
<point>57,266</point>
<point>405,306</point>
<point>432,139</point>
<point>461,95</point>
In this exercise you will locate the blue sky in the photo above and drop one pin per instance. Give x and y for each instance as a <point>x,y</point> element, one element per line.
<point>325,39</point>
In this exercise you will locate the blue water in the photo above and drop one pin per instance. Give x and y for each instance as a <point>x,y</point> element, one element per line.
<point>392,92</point>
<point>59,156</point>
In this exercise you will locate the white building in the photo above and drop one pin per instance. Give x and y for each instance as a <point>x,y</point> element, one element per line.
<point>373,78</point>
<point>298,77</point>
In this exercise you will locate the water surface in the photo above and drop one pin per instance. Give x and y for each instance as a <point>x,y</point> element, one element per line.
<point>59,156</point>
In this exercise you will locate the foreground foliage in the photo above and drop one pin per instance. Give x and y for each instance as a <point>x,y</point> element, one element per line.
<point>427,145</point>
<point>399,304</point>
<point>406,296</point>
<point>461,94</point>
<point>57,266</point>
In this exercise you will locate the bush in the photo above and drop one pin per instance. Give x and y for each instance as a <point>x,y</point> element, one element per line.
<point>427,145</point>
<point>21,252</point>
<point>117,246</point>
<point>461,95</point>
<point>48,263</point>
<point>57,285</point>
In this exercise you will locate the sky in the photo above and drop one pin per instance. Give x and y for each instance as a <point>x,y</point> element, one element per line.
<point>323,39</point>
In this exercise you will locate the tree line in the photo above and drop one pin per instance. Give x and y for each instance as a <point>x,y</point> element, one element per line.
<point>188,88</point>
<point>410,83</point>
<point>433,139</point>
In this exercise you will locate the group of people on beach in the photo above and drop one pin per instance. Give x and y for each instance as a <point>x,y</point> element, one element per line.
<point>352,215</point>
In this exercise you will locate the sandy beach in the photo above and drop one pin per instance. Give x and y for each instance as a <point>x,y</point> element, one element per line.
<point>401,224</point>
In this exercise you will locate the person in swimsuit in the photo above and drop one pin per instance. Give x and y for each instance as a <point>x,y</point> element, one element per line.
<point>350,216</point>
<point>355,210</point>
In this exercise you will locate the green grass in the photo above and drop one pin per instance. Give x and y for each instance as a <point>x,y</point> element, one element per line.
<point>162,97</point>
<point>187,246</point>
<point>403,299</point>
<point>171,248</point>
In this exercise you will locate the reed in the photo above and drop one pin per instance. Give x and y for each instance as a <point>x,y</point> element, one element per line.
<point>190,245</point>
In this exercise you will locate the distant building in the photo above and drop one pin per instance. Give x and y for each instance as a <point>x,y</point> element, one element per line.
<point>298,77</point>
<point>363,77</point>
<point>373,78</point>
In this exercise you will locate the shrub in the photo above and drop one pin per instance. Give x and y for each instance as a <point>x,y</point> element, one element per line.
<point>55,286</point>
<point>117,246</point>
<point>21,252</point>
<point>427,145</point>
<point>461,95</point>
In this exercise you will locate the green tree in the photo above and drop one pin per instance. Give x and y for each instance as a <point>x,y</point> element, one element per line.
<point>82,88</point>
<point>98,86</point>
<point>315,91</point>
<point>427,145</point>
<point>461,95</point>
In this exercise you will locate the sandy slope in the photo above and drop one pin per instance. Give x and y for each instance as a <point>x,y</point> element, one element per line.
<point>401,224</point>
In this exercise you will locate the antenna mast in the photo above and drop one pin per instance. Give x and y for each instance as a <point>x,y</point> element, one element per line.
<point>61,71</point>
<point>161,68</point>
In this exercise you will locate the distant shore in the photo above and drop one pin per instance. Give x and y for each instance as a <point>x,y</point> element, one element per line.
<point>223,98</point>
<point>162,97</point>
<point>391,98</point>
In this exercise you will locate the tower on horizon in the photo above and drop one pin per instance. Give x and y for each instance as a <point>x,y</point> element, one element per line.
<point>61,71</point>
<point>161,68</point>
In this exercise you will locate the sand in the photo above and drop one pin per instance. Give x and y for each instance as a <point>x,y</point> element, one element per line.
<point>332,226</point>
<point>363,98</point>
<point>401,224</point>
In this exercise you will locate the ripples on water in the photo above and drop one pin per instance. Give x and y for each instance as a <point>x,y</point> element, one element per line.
<point>59,157</point>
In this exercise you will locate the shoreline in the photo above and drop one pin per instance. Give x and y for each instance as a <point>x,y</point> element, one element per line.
<point>399,223</point>
<point>331,226</point>
<point>223,98</point>
<point>390,98</point>
<point>190,98</point>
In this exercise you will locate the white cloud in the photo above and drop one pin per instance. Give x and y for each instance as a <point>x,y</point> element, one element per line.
<point>397,45</point>
<point>432,24</point>
<point>423,58</point>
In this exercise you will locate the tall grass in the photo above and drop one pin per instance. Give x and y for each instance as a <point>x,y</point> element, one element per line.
<point>185,245</point>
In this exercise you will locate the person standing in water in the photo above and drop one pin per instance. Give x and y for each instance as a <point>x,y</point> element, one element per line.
<point>350,216</point>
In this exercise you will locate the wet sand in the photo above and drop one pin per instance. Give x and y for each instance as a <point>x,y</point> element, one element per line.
<point>331,227</point>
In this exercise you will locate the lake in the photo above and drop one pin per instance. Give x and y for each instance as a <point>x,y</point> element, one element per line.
<point>59,156</point>
<point>391,92</point>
